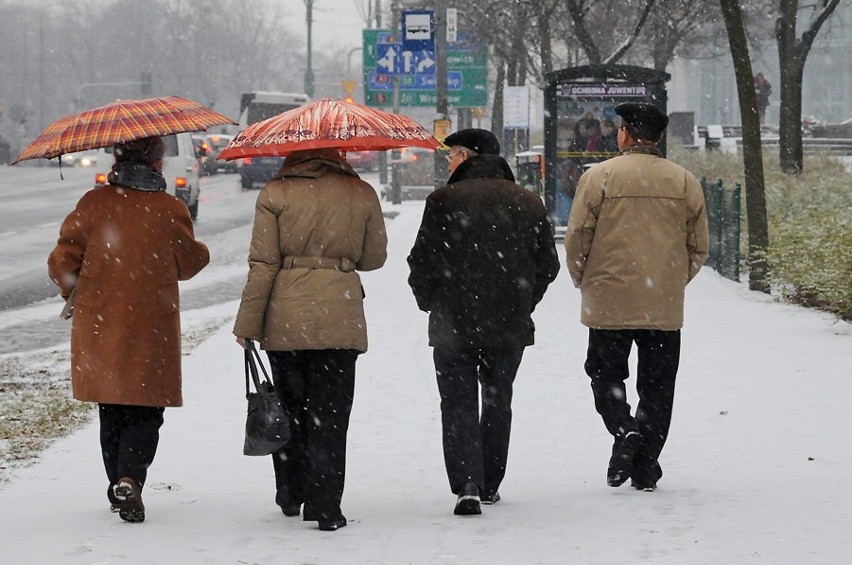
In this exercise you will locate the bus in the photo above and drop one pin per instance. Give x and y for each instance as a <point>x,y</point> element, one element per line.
<point>257,106</point>
<point>260,105</point>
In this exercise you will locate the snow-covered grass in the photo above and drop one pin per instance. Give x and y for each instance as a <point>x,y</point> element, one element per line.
<point>809,222</point>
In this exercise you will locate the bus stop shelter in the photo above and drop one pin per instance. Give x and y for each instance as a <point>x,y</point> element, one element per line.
<point>580,123</point>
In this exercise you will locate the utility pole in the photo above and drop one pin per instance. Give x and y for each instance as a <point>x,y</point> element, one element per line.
<point>383,155</point>
<point>441,103</point>
<point>309,71</point>
<point>396,154</point>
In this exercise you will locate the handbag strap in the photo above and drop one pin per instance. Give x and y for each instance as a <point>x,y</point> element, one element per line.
<point>253,360</point>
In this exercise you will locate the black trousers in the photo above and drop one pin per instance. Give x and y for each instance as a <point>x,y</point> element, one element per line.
<point>129,439</point>
<point>607,365</point>
<point>316,388</point>
<point>476,447</point>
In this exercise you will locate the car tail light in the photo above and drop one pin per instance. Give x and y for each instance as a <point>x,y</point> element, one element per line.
<point>100,179</point>
<point>414,157</point>
<point>180,182</point>
<point>246,160</point>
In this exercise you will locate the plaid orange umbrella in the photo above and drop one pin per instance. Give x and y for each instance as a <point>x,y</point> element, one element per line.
<point>119,122</point>
<point>328,123</point>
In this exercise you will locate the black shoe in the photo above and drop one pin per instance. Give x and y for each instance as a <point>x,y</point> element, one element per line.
<point>332,525</point>
<point>288,506</point>
<point>490,498</point>
<point>645,486</point>
<point>468,501</point>
<point>621,462</point>
<point>291,508</point>
<point>128,493</point>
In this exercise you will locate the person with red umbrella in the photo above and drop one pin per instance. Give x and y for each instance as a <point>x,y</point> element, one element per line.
<point>119,257</point>
<point>316,224</point>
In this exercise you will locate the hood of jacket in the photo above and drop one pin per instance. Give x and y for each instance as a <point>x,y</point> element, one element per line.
<point>315,163</point>
<point>483,167</point>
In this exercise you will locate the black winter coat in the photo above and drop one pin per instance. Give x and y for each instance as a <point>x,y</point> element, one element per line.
<point>483,258</point>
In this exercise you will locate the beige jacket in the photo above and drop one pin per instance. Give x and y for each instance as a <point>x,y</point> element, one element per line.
<point>637,234</point>
<point>315,223</point>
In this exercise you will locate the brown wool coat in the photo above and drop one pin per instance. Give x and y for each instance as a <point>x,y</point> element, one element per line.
<point>315,207</point>
<point>126,250</point>
<point>637,234</point>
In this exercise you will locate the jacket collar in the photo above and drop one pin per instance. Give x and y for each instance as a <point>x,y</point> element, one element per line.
<point>483,167</point>
<point>643,149</point>
<point>315,163</point>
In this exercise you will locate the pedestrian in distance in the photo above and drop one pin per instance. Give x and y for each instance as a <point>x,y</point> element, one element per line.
<point>637,234</point>
<point>122,252</point>
<point>482,260</point>
<point>762,91</point>
<point>316,224</point>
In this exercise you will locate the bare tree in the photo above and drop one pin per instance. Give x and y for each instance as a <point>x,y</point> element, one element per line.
<point>792,54</point>
<point>596,23</point>
<point>758,230</point>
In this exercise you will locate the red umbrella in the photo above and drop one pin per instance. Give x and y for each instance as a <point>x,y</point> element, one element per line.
<point>121,121</point>
<point>328,123</point>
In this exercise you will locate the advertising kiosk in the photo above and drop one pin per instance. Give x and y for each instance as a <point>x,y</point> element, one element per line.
<point>580,124</point>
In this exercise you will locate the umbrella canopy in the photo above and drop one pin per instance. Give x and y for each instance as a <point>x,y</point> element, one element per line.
<point>328,123</point>
<point>119,122</point>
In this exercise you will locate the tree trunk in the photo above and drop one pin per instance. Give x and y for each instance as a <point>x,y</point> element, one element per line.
<point>545,48</point>
<point>792,54</point>
<point>758,231</point>
<point>792,71</point>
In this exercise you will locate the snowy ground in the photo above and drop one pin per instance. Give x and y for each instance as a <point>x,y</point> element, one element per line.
<point>755,468</point>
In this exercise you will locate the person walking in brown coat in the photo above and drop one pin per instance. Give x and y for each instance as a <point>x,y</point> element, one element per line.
<point>122,251</point>
<point>637,234</point>
<point>316,223</point>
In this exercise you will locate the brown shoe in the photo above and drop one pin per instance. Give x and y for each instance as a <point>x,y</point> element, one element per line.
<point>129,494</point>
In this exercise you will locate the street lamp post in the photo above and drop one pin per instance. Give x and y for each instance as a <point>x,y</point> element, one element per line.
<point>441,97</point>
<point>41,70</point>
<point>309,71</point>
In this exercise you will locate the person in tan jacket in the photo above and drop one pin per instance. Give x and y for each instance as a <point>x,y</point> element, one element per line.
<point>637,234</point>
<point>122,251</point>
<point>316,224</point>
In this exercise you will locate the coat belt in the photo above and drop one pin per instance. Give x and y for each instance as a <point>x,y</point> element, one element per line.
<point>342,264</point>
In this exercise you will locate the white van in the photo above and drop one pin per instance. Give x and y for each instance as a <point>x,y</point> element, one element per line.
<point>180,168</point>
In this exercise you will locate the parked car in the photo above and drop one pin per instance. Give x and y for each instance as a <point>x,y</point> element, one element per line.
<point>363,160</point>
<point>180,168</point>
<point>204,153</point>
<point>218,141</point>
<point>255,172</point>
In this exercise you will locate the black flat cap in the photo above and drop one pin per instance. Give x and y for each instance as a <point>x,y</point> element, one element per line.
<point>480,140</point>
<point>643,116</point>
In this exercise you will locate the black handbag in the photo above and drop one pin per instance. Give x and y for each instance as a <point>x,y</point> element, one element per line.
<point>267,425</point>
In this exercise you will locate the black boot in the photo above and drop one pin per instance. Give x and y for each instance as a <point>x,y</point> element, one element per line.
<point>621,462</point>
<point>468,501</point>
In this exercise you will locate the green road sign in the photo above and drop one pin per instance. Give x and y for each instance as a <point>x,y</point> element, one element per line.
<point>386,59</point>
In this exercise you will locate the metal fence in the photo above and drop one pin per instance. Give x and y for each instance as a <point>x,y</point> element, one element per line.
<point>723,216</point>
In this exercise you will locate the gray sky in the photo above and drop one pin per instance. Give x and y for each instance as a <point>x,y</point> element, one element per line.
<point>337,23</point>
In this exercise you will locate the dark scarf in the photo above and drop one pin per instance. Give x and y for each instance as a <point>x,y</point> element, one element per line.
<point>137,176</point>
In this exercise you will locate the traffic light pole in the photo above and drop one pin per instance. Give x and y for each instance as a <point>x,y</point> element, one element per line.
<point>441,102</point>
<point>396,180</point>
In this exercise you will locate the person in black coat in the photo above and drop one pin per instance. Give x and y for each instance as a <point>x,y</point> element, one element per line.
<point>483,258</point>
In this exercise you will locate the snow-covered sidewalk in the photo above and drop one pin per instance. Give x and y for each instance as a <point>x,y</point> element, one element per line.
<point>755,467</point>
